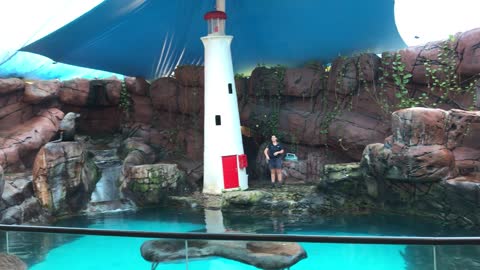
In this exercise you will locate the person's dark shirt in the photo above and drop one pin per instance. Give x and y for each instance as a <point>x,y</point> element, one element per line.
<point>274,148</point>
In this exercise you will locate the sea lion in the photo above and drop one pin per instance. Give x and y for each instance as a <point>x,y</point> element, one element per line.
<point>67,127</point>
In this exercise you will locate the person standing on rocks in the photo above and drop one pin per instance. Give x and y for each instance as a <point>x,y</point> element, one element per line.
<point>273,153</point>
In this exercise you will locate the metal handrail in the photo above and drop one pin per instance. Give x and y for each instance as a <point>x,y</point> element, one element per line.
<point>386,240</point>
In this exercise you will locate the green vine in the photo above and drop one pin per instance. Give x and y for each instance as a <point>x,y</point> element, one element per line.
<point>125,102</point>
<point>266,124</point>
<point>442,77</point>
<point>379,97</point>
<point>443,81</point>
<point>398,74</point>
<point>342,102</point>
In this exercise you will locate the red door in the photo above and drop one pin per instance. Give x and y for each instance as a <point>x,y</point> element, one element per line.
<point>230,172</point>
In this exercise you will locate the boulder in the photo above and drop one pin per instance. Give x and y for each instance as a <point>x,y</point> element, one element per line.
<point>142,109</point>
<point>9,85</point>
<point>17,190</point>
<point>304,82</point>
<point>192,76</point>
<point>469,52</point>
<point>346,74</point>
<point>75,92</point>
<point>266,81</point>
<point>348,132</point>
<point>263,255</point>
<point>97,120</point>
<point>18,204</point>
<point>190,100</point>
<point>11,262</point>
<point>461,126</point>
<point>152,183</point>
<point>421,163</point>
<point>164,92</point>
<point>466,63</point>
<point>19,145</point>
<point>244,199</point>
<point>137,144</point>
<point>137,86</point>
<point>178,133</point>
<point>64,176</point>
<point>241,85</point>
<point>420,148</point>
<point>342,171</point>
<point>467,160</point>
<point>343,76</point>
<point>13,111</point>
<point>170,95</point>
<point>419,126</point>
<point>2,181</point>
<point>104,93</point>
<point>40,91</point>
<point>414,59</point>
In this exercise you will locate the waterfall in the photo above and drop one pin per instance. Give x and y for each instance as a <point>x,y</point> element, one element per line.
<point>107,187</point>
<point>107,196</point>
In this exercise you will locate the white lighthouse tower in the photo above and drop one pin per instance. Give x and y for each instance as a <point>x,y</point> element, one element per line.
<point>224,159</point>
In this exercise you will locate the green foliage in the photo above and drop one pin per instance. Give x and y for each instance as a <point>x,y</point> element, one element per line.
<point>125,103</point>
<point>240,76</point>
<point>394,69</point>
<point>442,77</point>
<point>342,102</point>
<point>269,94</point>
<point>443,81</point>
<point>401,77</point>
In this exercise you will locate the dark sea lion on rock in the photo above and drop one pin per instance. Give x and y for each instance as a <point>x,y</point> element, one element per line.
<point>67,127</point>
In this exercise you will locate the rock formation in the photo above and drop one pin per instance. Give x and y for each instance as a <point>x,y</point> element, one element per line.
<point>64,177</point>
<point>264,255</point>
<point>425,146</point>
<point>18,203</point>
<point>19,144</point>
<point>11,262</point>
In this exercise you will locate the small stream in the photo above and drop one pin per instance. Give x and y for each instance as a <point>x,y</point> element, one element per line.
<point>106,197</point>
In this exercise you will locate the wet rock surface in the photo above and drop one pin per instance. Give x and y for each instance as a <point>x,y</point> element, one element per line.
<point>419,150</point>
<point>18,204</point>
<point>11,262</point>
<point>264,255</point>
<point>152,183</point>
<point>64,176</point>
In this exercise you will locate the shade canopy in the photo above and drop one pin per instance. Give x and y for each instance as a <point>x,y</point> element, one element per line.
<point>149,38</point>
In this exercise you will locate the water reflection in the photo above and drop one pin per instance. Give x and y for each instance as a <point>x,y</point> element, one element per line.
<point>33,247</point>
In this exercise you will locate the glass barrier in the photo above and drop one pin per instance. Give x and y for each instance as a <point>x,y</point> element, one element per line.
<point>41,250</point>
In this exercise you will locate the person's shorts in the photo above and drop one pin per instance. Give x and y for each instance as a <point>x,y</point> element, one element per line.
<point>275,163</point>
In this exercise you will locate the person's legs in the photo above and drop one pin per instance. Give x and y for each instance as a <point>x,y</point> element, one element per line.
<point>279,176</point>
<point>272,176</point>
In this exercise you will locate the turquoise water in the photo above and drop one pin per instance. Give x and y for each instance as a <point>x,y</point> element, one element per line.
<point>97,252</point>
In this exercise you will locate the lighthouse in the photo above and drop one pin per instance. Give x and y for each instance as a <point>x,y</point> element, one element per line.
<point>225,162</point>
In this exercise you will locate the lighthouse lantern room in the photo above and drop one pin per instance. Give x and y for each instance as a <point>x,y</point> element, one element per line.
<point>224,159</point>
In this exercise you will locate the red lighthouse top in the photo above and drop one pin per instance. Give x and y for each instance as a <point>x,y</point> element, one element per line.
<point>216,22</point>
<point>215,15</point>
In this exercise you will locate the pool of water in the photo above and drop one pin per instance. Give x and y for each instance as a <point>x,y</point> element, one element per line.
<point>48,251</point>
